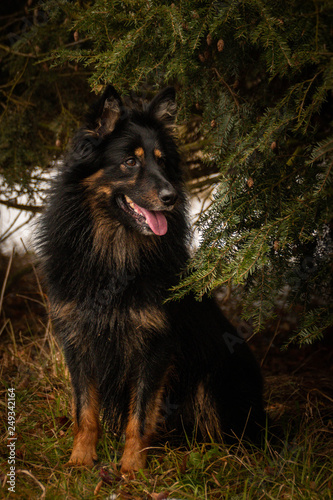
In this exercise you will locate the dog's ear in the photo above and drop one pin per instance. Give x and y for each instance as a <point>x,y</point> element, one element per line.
<point>107,111</point>
<point>163,107</point>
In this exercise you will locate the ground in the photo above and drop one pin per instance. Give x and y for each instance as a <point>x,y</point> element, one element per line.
<point>298,395</point>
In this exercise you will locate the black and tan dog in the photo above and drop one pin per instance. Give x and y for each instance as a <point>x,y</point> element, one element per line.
<point>113,241</point>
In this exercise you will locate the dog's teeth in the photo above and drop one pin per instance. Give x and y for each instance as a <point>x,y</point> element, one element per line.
<point>132,205</point>
<point>129,202</point>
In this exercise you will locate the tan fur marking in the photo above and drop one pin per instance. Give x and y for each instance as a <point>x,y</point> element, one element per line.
<point>207,418</point>
<point>110,237</point>
<point>151,199</point>
<point>86,432</point>
<point>92,182</point>
<point>135,451</point>
<point>139,152</point>
<point>63,310</point>
<point>91,132</point>
<point>106,232</point>
<point>135,454</point>
<point>66,313</point>
<point>157,153</point>
<point>104,190</point>
<point>148,319</point>
<point>93,178</point>
<point>155,410</point>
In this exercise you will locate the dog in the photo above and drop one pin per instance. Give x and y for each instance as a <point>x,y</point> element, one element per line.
<point>114,239</point>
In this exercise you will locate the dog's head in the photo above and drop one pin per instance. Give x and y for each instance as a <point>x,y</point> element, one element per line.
<point>129,161</point>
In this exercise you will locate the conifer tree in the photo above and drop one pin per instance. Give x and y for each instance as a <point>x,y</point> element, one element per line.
<point>254,76</point>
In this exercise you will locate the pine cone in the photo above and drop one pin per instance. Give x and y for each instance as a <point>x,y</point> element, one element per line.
<point>220,45</point>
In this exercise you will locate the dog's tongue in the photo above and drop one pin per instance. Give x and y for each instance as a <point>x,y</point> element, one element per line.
<point>155,220</point>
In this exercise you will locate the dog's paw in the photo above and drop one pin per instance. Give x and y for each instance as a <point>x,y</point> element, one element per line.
<point>130,464</point>
<point>80,456</point>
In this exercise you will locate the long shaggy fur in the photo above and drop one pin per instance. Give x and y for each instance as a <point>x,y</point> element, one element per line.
<point>140,361</point>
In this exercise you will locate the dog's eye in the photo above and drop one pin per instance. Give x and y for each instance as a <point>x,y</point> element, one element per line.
<point>131,162</point>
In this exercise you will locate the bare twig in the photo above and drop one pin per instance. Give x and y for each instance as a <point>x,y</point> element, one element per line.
<point>4,235</point>
<point>8,235</point>
<point>28,473</point>
<point>18,206</point>
<point>6,279</point>
<point>233,94</point>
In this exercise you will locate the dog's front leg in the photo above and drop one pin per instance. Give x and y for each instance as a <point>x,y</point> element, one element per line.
<point>136,444</point>
<point>86,410</point>
<point>86,428</point>
<point>144,414</point>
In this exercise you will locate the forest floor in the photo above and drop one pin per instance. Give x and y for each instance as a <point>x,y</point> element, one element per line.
<point>298,396</point>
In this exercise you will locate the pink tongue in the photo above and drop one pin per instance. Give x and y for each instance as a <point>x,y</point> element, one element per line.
<point>155,220</point>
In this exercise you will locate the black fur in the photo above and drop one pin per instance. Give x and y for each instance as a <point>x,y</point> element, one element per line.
<point>142,361</point>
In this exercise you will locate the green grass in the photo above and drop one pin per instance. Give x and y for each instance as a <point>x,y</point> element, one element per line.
<point>300,469</point>
<point>298,466</point>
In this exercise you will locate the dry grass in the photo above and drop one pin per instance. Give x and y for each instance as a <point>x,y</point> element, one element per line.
<point>298,466</point>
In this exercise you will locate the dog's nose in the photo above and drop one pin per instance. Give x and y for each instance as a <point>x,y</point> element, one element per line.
<point>168,196</point>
